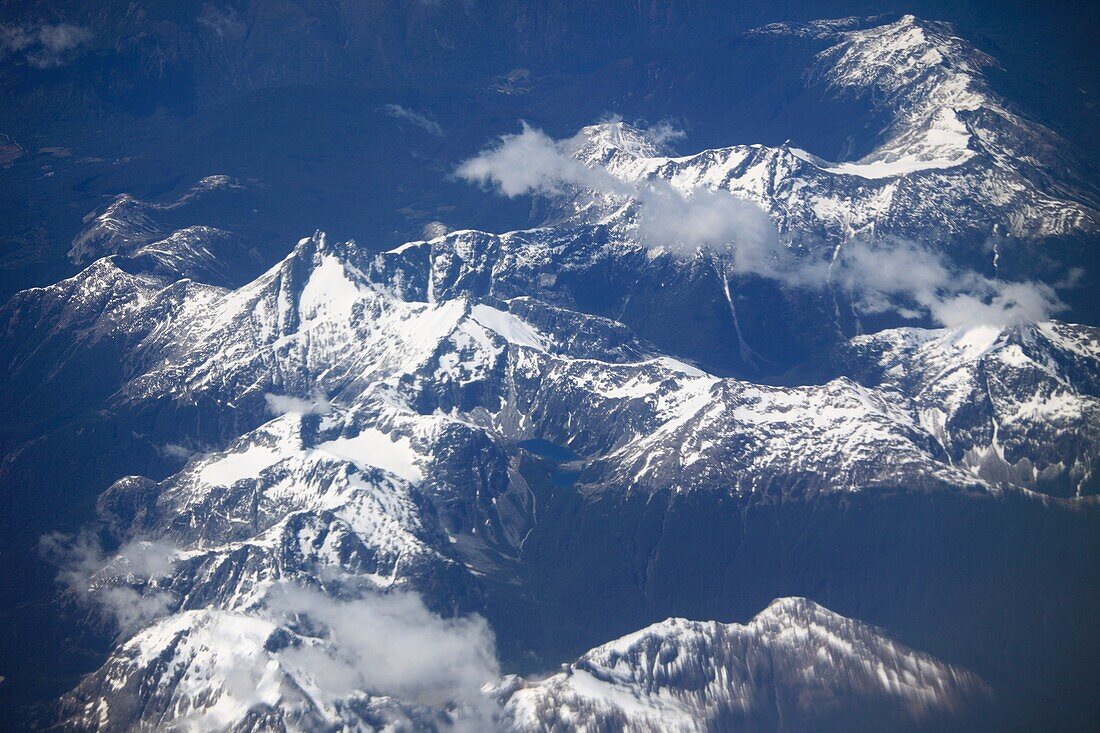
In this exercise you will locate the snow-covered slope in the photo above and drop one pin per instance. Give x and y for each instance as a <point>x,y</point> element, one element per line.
<point>1018,404</point>
<point>295,670</point>
<point>404,386</point>
<point>434,339</point>
<point>127,223</point>
<point>795,666</point>
<point>955,161</point>
<point>355,437</point>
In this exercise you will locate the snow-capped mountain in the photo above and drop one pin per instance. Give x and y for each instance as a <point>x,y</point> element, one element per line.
<point>215,670</point>
<point>962,380</point>
<point>350,491</point>
<point>794,666</point>
<point>416,384</point>
<point>127,223</point>
<point>427,341</point>
<point>955,163</point>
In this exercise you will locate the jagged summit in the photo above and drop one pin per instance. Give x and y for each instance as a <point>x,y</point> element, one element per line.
<point>602,142</point>
<point>795,665</point>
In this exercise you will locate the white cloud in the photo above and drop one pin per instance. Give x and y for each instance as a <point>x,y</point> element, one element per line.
<point>434,229</point>
<point>703,219</point>
<point>224,22</point>
<point>284,404</point>
<point>913,279</point>
<point>664,132</point>
<point>130,609</point>
<point>532,163</point>
<point>899,276</point>
<point>105,582</point>
<point>392,644</point>
<point>175,450</point>
<point>420,120</point>
<point>378,644</point>
<point>43,45</point>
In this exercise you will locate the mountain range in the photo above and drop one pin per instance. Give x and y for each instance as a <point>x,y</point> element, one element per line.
<point>838,414</point>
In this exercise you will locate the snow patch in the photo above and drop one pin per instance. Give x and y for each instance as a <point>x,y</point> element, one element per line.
<point>329,292</point>
<point>249,463</point>
<point>512,329</point>
<point>374,449</point>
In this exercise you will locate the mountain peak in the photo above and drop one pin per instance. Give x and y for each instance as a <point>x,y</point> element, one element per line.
<point>795,662</point>
<point>599,143</point>
<point>129,222</point>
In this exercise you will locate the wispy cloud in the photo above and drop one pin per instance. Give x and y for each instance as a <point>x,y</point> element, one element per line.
<point>532,163</point>
<point>381,644</point>
<point>664,132</point>
<point>900,276</point>
<point>392,644</point>
<point>223,22</point>
<point>422,121</point>
<point>914,280</point>
<point>318,404</point>
<point>107,583</point>
<point>43,45</point>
